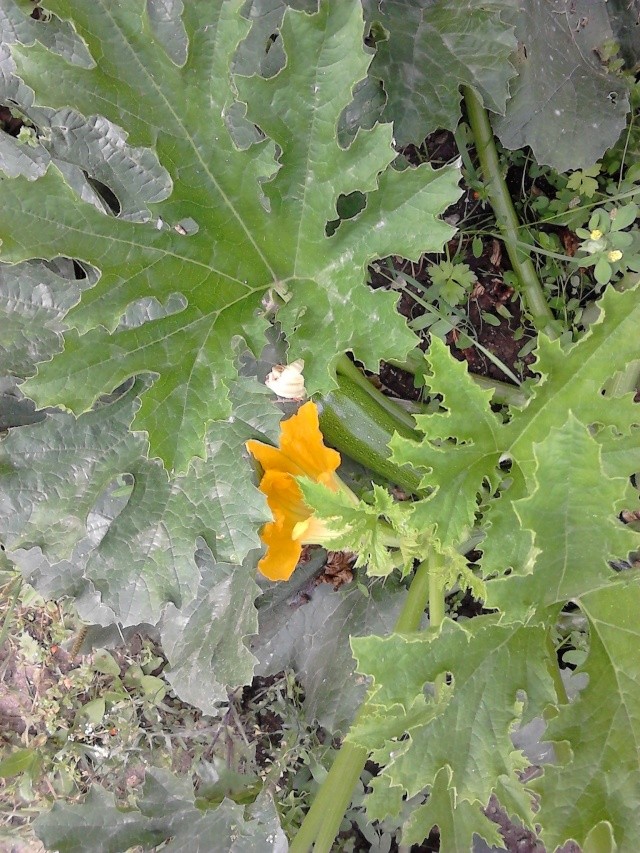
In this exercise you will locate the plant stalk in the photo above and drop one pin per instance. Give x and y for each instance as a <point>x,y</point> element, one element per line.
<point>506,217</point>
<point>322,823</point>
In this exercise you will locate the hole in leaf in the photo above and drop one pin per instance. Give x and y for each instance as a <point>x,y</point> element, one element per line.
<point>505,464</point>
<point>79,270</point>
<point>571,637</point>
<point>105,193</point>
<point>120,391</point>
<point>187,227</point>
<point>347,207</point>
<point>10,120</point>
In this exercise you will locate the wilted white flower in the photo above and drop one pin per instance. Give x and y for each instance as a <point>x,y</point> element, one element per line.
<point>287,381</point>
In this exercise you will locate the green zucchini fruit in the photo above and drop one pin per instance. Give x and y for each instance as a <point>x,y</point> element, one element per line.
<point>359,425</point>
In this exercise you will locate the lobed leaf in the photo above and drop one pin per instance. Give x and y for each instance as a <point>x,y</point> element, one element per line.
<point>53,474</point>
<point>463,451</point>
<point>598,786</point>
<point>314,641</point>
<point>254,223</point>
<point>206,639</point>
<point>457,822</point>
<point>571,512</point>
<point>466,730</point>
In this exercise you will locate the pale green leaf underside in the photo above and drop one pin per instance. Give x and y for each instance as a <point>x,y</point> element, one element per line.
<point>457,822</point>
<point>571,512</point>
<point>251,235</point>
<point>572,382</point>
<point>468,730</point>
<point>601,780</point>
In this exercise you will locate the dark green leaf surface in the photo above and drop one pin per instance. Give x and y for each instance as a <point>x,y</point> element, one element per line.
<point>206,640</point>
<point>314,640</point>
<point>166,811</point>
<point>34,298</point>
<point>253,230</point>
<point>433,48</point>
<point>564,103</point>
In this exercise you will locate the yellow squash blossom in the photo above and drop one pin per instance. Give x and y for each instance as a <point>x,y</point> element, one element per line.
<point>302,453</point>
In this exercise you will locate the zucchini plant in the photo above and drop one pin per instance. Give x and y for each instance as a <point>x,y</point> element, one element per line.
<point>183,175</point>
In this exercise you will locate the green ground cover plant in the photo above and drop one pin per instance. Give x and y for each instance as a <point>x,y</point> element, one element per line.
<point>194,193</point>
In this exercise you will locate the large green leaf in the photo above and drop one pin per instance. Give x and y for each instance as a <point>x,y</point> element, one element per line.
<point>432,49</point>
<point>573,380</point>
<point>564,103</point>
<point>314,641</point>
<point>53,474</point>
<point>599,783</point>
<point>206,639</point>
<point>467,730</point>
<point>253,222</point>
<point>166,812</point>
<point>572,511</point>
<point>553,93</point>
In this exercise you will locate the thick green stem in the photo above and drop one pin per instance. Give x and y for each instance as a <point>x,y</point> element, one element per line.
<point>322,822</point>
<point>416,600</point>
<point>506,217</point>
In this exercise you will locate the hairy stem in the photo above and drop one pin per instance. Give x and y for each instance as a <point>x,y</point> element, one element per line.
<point>506,217</point>
<point>322,822</point>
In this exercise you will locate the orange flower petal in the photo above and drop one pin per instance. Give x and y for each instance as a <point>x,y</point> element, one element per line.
<point>302,442</point>
<point>284,497</point>
<point>302,450</point>
<point>283,553</point>
<point>285,502</point>
<point>273,459</point>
